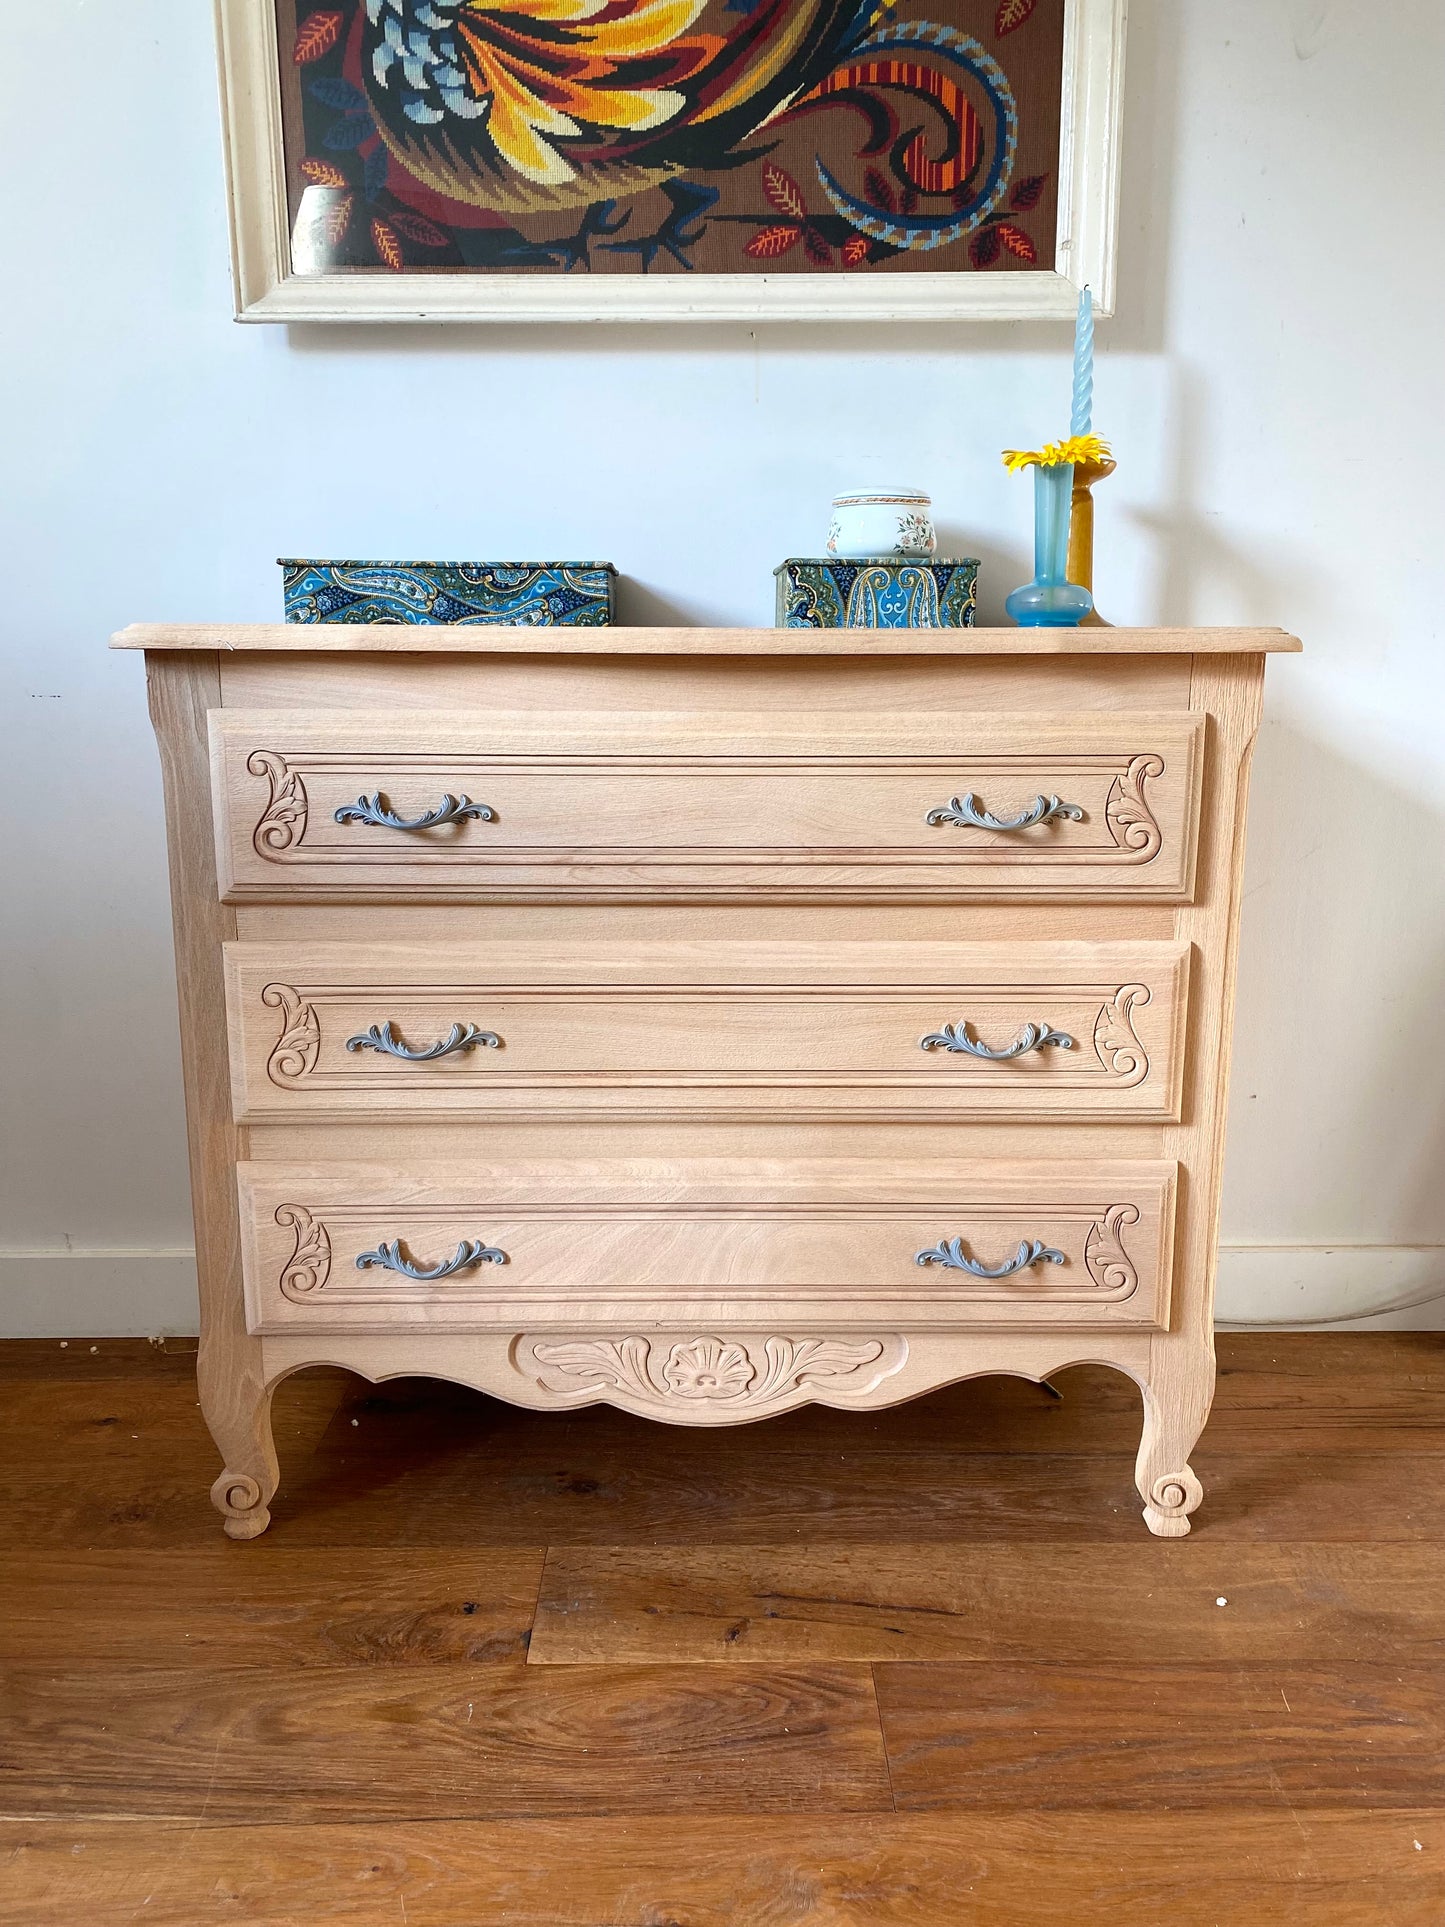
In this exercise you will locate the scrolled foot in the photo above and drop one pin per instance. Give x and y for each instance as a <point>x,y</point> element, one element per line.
<point>1169,1501</point>
<point>242,1505</point>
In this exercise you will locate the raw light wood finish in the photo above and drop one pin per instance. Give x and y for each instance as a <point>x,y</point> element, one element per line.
<point>291,638</point>
<point>234,1390</point>
<point>631,1247</point>
<point>697,1197</point>
<point>378,1714</point>
<point>754,1030</point>
<point>705,805</point>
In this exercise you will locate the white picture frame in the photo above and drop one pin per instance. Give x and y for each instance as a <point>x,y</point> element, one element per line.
<point>268,290</point>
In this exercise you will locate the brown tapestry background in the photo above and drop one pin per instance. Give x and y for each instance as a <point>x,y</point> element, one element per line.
<point>664,136</point>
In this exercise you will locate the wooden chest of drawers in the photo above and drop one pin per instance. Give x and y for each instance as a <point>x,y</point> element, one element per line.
<point>704,1021</point>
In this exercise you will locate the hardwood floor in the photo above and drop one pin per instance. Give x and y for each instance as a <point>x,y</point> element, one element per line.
<point>922,1668</point>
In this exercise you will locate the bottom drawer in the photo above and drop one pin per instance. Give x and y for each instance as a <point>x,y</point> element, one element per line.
<point>577,1245</point>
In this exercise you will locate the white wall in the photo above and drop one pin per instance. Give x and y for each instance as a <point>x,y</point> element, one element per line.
<point>1272,385</point>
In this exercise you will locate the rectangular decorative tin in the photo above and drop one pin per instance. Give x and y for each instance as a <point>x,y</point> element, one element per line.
<point>894,592</point>
<point>569,595</point>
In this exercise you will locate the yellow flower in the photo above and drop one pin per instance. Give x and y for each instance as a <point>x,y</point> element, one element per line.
<point>1077,448</point>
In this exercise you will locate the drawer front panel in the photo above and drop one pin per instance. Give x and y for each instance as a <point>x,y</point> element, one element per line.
<point>602,807</point>
<point>356,1248</point>
<point>765,1029</point>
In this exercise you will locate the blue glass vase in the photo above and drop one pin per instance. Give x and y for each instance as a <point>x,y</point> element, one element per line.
<point>1051,601</point>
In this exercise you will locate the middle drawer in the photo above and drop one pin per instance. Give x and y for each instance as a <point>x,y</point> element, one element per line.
<point>657,1030</point>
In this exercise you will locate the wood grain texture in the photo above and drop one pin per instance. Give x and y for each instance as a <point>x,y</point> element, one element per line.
<point>321,638</point>
<point>616,1247</point>
<point>1004,1736</point>
<point>837,685</point>
<point>1181,1382</point>
<point>1225,1868</point>
<point>699,805</point>
<point>684,784</point>
<point>487,1741</point>
<point>991,1603</point>
<point>707,1030</point>
<point>296,1608</point>
<point>1090,1739</point>
<point>233,1390</point>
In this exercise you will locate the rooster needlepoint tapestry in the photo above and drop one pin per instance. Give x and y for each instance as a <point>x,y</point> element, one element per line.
<point>671,137</point>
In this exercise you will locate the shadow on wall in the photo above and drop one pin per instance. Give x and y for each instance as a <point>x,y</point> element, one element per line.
<point>1337,1131</point>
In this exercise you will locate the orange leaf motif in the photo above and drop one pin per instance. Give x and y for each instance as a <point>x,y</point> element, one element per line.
<point>317,35</point>
<point>855,249</point>
<point>1011,14</point>
<point>416,227</point>
<point>387,246</point>
<point>783,191</point>
<point>336,220</point>
<point>769,242</point>
<point>323,173</point>
<point>1016,241</point>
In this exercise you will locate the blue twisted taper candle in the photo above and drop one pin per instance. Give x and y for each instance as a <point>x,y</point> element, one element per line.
<point>1083,416</point>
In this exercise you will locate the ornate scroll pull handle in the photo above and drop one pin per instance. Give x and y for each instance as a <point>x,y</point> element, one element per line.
<point>955,1037</point>
<point>391,1257</point>
<point>377,810</point>
<point>968,812</point>
<point>462,1037</point>
<point>949,1253</point>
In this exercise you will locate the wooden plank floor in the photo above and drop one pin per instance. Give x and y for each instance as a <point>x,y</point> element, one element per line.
<point>922,1668</point>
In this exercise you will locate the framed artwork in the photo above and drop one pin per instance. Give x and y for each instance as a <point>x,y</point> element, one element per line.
<point>669,160</point>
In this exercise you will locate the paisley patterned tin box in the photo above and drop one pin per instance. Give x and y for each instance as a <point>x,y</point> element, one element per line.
<point>891,592</point>
<point>569,595</point>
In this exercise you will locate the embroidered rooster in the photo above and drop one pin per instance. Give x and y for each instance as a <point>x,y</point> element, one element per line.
<point>528,105</point>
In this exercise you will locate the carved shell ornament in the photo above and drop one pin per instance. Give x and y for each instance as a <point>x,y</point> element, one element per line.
<point>666,1375</point>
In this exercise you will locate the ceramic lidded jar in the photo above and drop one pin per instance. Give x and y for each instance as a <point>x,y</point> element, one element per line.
<point>882,522</point>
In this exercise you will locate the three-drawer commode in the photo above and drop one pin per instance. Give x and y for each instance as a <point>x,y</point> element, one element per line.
<point>707,1022</point>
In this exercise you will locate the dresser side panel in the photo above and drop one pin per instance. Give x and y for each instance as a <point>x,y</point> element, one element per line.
<point>231,1377</point>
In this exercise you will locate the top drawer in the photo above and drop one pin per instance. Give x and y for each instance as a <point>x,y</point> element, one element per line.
<point>336,805</point>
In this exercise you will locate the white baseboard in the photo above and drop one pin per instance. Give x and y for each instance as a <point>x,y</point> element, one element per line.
<point>1331,1286</point>
<point>98,1294</point>
<point>147,1294</point>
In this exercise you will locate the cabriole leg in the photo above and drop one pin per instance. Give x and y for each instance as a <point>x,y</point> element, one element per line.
<point>237,1410</point>
<point>1177,1397</point>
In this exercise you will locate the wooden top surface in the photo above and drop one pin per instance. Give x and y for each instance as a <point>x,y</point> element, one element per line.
<point>304,638</point>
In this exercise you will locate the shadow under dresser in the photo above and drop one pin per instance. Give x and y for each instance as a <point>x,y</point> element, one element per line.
<point>705,1021</point>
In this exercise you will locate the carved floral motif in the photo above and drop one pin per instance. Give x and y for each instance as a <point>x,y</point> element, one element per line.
<point>310,1263</point>
<point>294,1053</point>
<point>747,1371</point>
<point>283,821</point>
<point>1115,1043</point>
<point>1131,822</point>
<point>1105,1259</point>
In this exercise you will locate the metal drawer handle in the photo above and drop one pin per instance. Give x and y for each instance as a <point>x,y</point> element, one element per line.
<point>377,810</point>
<point>949,1253</point>
<point>391,1257</point>
<point>462,1037</point>
<point>968,812</point>
<point>955,1037</point>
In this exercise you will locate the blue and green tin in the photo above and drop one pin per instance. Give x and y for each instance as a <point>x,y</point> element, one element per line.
<point>893,592</point>
<point>564,595</point>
